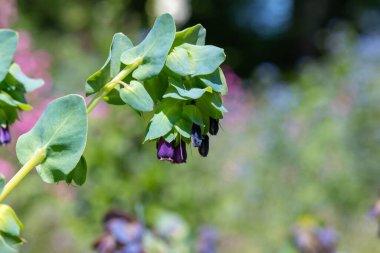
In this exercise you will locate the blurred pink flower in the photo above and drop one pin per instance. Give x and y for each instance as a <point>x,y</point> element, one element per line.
<point>35,64</point>
<point>6,169</point>
<point>8,13</point>
<point>238,102</point>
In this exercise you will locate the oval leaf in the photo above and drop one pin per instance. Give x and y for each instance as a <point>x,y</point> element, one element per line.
<point>8,44</point>
<point>153,49</point>
<point>62,132</point>
<point>137,97</point>
<point>194,60</point>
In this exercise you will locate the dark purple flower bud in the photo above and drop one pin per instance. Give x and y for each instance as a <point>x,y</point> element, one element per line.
<point>180,154</point>
<point>5,136</point>
<point>214,126</point>
<point>196,135</point>
<point>165,150</point>
<point>203,149</point>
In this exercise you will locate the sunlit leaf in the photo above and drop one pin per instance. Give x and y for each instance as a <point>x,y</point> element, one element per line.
<point>137,97</point>
<point>195,35</point>
<point>194,60</point>
<point>153,49</point>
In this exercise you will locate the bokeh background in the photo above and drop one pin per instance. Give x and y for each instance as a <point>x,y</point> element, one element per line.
<point>301,139</point>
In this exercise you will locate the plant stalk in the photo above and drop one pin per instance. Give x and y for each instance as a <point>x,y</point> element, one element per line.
<point>112,84</point>
<point>36,159</point>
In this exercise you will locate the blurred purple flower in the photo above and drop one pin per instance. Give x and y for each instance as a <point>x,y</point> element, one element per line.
<point>327,239</point>
<point>123,234</point>
<point>207,240</point>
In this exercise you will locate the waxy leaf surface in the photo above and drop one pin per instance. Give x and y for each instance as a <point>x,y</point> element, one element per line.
<point>194,60</point>
<point>153,49</point>
<point>137,97</point>
<point>8,44</point>
<point>62,132</point>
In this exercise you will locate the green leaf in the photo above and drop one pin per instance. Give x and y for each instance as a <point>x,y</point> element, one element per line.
<point>8,44</point>
<point>211,105</point>
<point>10,228</point>
<point>157,86</point>
<point>9,222</point>
<point>216,81</point>
<point>137,97</point>
<point>111,67</point>
<point>164,119</point>
<point>195,35</point>
<point>171,136</point>
<point>183,126</point>
<point>30,84</point>
<point>62,132</point>
<point>9,243</point>
<point>113,97</point>
<point>182,92</point>
<point>79,173</point>
<point>153,49</point>
<point>192,113</point>
<point>194,60</point>
<point>7,99</point>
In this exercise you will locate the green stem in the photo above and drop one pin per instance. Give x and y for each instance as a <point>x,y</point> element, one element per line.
<point>112,84</point>
<point>36,159</point>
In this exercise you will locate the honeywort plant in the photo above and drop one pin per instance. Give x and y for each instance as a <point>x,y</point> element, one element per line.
<point>172,74</point>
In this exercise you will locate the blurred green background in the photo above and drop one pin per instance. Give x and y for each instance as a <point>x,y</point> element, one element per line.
<point>302,136</point>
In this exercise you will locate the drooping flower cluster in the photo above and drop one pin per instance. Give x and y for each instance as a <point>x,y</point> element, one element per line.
<point>168,74</point>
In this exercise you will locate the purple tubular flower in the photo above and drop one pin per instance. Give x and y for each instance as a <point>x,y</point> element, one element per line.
<point>5,136</point>
<point>165,150</point>
<point>196,136</point>
<point>180,154</point>
<point>203,149</point>
<point>214,126</point>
